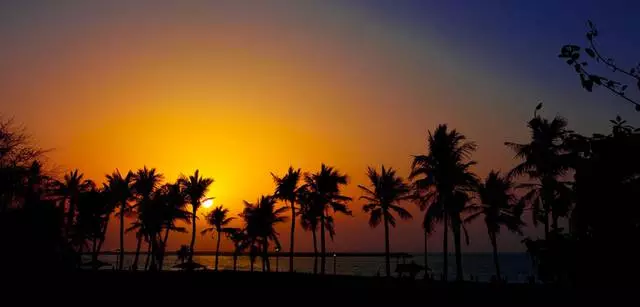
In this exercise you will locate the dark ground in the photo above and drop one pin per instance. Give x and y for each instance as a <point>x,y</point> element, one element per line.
<point>277,289</point>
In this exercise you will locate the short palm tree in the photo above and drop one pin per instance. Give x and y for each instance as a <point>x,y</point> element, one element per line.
<point>499,207</point>
<point>325,189</point>
<point>218,220</point>
<point>383,198</point>
<point>287,190</point>
<point>183,253</point>
<point>121,192</point>
<point>195,188</point>
<point>440,177</point>
<point>239,239</point>
<point>544,161</point>
<point>260,220</point>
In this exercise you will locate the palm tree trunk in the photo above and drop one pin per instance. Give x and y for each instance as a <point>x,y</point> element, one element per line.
<point>445,248</point>
<point>146,262</point>
<point>387,256</point>
<point>235,261</point>
<point>193,236</point>
<point>458,247</point>
<point>94,253</point>
<point>70,215</point>
<point>266,267</point>
<point>155,253</point>
<point>102,236</point>
<point>322,245</point>
<point>217,250</point>
<point>426,262</point>
<point>315,252</point>
<point>496,262</point>
<point>164,249</point>
<point>134,266</point>
<point>121,265</point>
<point>293,229</point>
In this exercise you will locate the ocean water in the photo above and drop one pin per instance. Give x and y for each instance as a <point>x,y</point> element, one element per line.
<point>515,267</point>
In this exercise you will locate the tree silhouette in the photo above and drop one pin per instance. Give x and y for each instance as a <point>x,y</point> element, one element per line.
<point>93,211</point>
<point>240,243</point>
<point>499,207</point>
<point>441,178</point>
<point>195,188</point>
<point>218,221</point>
<point>120,192</point>
<point>172,203</point>
<point>69,189</point>
<point>575,57</point>
<point>544,161</point>
<point>17,158</point>
<point>287,190</point>
<point>145,182</point>
<point>310,212</point>
<point>382,200</point>
<point>325,189</point>
<point>260,220</point>
<point>183,253</point>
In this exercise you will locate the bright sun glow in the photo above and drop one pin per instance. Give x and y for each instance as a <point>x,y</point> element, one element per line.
<point>207,203</point>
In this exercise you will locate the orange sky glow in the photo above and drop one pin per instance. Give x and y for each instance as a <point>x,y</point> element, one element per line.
<point>241,91</point>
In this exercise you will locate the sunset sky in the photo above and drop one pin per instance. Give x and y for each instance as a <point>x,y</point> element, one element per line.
<point>239,89</point>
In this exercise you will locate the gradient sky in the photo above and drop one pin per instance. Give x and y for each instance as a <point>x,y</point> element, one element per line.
<point>239,89</point>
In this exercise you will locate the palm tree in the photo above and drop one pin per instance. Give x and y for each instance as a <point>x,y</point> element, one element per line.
<point>260,220</point>
<point>287,190</point>
<point>120,192</point>
<point>239,239</point>
<point>195,188</point>
<point>183,253</point>
<point>325,188</point>
<point>145,182</point>
<point>499,207</point>
<point>544,161</point>
<point>69,189</point>
<point>382,200</point>
<point>440,177</point>
<point>173,202</point>
<point>310,212</point>
<point>218,221</point>
<point>93,211</point>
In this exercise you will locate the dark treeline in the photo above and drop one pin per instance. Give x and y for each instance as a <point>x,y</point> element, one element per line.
<point>581,189</point>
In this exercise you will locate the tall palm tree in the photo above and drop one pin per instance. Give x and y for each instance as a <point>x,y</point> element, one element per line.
<point>218,220</point>
<point>148,226</point>
<point>310,212</point>
<point>195,188</point>
<point>260,220</point>
<point>383,198</point>
<point>439,179</point>
<point>287,190</point>
<point>544,161</point>
<point>120,191</point>
<point>499,207</point>
<point>69,189</point>
<point>172,203</point>
<point>145,182</point>
<point>325,188</point>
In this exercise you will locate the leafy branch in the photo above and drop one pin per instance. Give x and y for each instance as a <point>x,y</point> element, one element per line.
<point>588,80</point>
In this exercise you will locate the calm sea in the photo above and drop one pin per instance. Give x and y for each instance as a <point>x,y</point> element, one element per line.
<point>516,267</point>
